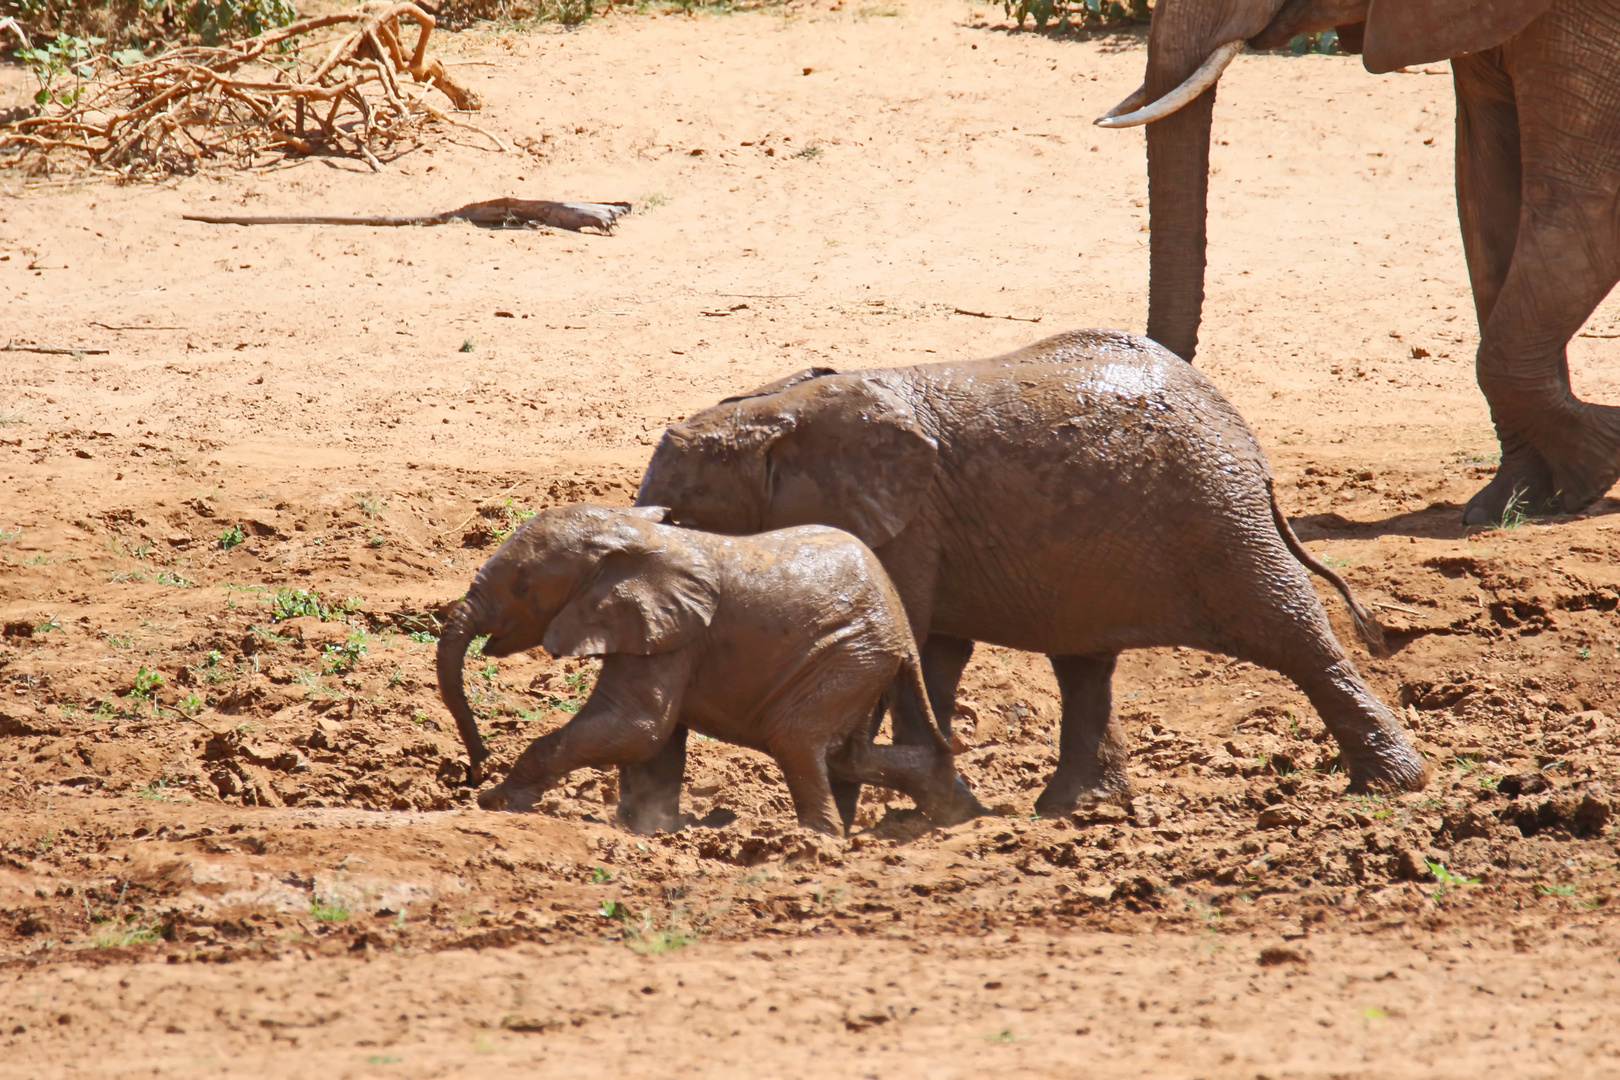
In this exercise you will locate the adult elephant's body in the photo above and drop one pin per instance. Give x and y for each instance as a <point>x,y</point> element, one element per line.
<point>1538,194</point>
<point>1089,494</point>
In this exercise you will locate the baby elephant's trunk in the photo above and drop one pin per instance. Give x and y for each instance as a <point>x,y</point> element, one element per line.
<point>452,654</point>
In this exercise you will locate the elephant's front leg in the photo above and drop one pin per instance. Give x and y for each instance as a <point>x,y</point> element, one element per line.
<point>630,716</point>
<point>1091,749</point>
<point>650,791</point>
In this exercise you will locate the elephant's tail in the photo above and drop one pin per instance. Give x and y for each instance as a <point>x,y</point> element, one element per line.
<point>1366,623</point>
<point>911,672</point>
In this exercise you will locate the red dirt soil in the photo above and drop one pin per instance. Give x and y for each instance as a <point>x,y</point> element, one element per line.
<point>263,865</point>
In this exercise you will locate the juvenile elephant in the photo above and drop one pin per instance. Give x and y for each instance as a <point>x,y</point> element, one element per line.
<point>784,642</point>
<point>1538,195</point>
<point>1088,494</point>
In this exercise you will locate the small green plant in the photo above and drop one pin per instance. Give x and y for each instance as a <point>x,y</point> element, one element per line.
<point>1584,653</point>
<point>467,345</point>
<point>653,201</point>
<point>395,678</point>
<point>1002,1037</point>
<point>154,791</point>
<point>67,59</point>
<point>513,517</point>
<point>110,934</point>
<point>230,537</point>
<point>376,542</point>
<point>297,604</point>
<point>423,637</point>
<point>1556,890</point>
<point>811,151</point>
<point>50,624</point>
<point>215,20</point>
<point>383,1059</point>
<point>146,684</point>
<point>329,910</point>
<point>341,659</point>
<point>370,503</point>
<point>172,579</point>
<point>1446,878</point>
<point>600,875</point>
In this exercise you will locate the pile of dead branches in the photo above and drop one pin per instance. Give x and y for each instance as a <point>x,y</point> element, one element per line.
<point>282,92</point>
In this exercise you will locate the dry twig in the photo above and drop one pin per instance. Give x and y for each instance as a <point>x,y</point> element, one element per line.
<point>168,114</point>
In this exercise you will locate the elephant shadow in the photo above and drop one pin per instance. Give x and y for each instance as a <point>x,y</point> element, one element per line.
<point>1437,521</point>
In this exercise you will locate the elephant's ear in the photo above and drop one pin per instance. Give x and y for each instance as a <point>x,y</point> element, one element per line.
<point>653,591</point>
<point>1404,32</point>
<point>854,456</point>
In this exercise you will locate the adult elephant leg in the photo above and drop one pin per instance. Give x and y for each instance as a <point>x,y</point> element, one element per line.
<point>1091,748</point>
<point>1488,206</point>
<point>1566,258</point>
<point>650,791</point>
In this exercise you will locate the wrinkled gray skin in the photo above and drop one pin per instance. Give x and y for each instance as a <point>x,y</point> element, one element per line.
<point>785,642</point>
<point>1089,494</point>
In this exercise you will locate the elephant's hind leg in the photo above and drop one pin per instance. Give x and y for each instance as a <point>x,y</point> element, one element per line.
<point>1288,632</point>
<point>1091,749</point>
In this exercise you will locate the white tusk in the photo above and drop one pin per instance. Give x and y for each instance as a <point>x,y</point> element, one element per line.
<point>1208,73</point>
<point>1137,99</point>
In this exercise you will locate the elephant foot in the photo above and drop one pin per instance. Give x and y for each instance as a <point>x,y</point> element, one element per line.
<point>1522,487</point>
<point>1575,461</point>
<point>1064,795</point>
<point>510,797</point>
<point>1390,765</point>
<point>646,819</point>
<point>958,806</point>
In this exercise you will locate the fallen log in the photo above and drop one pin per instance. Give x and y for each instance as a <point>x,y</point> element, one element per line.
<point>495,213</point>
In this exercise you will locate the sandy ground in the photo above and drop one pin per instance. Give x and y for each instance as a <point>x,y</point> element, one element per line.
<point>263,865</point>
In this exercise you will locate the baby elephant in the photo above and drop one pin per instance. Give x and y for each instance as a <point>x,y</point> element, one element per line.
<point>786,642</point>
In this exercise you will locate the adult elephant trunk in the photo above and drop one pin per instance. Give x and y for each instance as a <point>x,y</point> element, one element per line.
<point>452,654</point>
<point>1189,46</point>
<point>1178,202</point>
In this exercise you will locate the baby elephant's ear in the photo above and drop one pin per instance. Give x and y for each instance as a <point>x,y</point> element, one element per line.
<point>649,596</point>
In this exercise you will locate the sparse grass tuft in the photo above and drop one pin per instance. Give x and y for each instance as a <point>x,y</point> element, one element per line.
<point>370,503</point>
<point>341,659</point>
<point>1447,879</point>
<point>1513,514</point>
<point>329,910</point>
